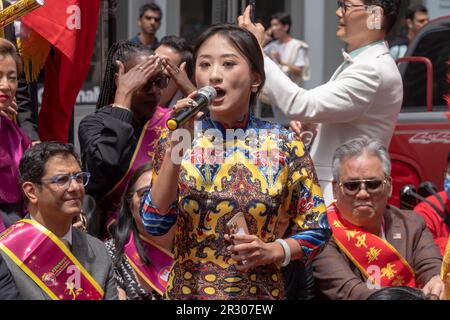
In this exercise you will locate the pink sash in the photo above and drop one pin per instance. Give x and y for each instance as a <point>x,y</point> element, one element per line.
<point>156,273</point>
<point>13,143</point>
<point>48,262</point>
<point>143,154</point>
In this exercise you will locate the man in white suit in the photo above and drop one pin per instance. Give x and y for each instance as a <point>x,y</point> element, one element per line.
<point>363,97</point>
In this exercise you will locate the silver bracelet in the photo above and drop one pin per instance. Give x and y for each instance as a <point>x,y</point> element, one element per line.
<point>287,252</point>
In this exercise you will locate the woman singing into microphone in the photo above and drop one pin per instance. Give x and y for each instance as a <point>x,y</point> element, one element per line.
<point>225,173</point>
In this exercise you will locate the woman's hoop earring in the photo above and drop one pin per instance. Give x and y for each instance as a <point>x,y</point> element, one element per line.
<point>83,220</point>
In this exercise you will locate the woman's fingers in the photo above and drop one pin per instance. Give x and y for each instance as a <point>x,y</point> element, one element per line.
<point>183,66</point>
<point>152,67</point>
<point>121,68</point>
<point>257,29</point>
<point>185,103</point>
<point>296,126</point>
<point>12,111</point>
<point>171,69</point>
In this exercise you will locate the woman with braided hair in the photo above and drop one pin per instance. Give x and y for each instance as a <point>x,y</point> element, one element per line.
<point>119,136</point>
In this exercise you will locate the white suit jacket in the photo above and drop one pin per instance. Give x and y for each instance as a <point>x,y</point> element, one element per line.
<point>364,99</point>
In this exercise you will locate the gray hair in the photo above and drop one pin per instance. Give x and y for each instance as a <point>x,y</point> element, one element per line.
<point>357,147</point>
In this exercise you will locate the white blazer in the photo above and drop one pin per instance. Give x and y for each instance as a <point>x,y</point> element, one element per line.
<point>364,99</point>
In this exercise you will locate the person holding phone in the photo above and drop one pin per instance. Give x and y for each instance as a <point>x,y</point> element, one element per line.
<point>363,97</point>
<point>223,174</point>
<point>291,55</point>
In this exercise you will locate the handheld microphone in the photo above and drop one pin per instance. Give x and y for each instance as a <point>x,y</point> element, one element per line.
<point>409,197</point>
<point>204,98</point>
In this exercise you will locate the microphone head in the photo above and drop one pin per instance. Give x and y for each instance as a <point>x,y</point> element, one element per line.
<point>408,189</point>
<point>209,93</point>
<point>408,199</point>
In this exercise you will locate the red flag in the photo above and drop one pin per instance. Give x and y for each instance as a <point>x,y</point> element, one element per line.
<point>70,26</point>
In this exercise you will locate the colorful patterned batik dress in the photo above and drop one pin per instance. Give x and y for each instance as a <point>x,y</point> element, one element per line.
<point>264,173</point>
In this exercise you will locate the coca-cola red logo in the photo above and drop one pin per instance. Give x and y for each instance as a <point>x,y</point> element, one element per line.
<point>429,138</point>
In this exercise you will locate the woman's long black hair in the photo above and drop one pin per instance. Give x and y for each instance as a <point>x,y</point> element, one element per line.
<point>125,225</point>
<point>122,51</point>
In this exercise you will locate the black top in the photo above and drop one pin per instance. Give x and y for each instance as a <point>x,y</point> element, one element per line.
<point>108,139</point>
<point>126,278</point>
<point>153,46</point>
<point>27,111</point>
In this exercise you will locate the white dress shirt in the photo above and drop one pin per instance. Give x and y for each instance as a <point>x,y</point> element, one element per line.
<point>363,98</point>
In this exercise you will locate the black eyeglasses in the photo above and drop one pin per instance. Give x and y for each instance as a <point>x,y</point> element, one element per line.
<point>344,5</point>
<point>63,180</point>
<point>372,186</point>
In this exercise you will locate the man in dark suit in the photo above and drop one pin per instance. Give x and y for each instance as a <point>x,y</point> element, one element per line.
<point>53,185</point>
<point>8,289</point>
<point>374,245</point>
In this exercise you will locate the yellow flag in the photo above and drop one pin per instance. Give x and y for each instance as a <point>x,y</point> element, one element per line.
<point>445,273</point>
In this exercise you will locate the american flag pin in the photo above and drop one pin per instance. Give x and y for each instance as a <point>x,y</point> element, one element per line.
<point>397,236</point>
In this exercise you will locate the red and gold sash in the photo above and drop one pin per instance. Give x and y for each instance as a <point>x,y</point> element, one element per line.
<point>143,153</point>
<point>156,273</point>
<point>445,271</point>
<point>370,253</point>
<point>48,262</point>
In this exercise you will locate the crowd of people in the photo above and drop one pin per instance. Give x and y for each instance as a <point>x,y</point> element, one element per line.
<point>227,206</point>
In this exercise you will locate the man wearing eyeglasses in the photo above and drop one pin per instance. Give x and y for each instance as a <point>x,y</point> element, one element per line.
<point>363,97</point>
<point>150,16</point>
<point>374,245</point>
<point>47,257</point>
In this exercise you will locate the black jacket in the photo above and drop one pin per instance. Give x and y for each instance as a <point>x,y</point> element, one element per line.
<point>108,139</point>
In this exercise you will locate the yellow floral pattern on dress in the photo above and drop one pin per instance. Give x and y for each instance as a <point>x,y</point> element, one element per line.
<point>263,188</point>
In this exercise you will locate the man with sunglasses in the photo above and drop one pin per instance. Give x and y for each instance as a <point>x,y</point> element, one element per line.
<point>374,245</point>
<point>364,95</point>
<point>47,257</point>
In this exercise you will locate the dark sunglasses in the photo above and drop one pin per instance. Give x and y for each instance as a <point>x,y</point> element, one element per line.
<point>372,186</point>
<point>161,81</point>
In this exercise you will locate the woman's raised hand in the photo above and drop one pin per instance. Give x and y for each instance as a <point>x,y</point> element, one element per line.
<point>134,79</point>
<point>179,75</point>
<point>245,21</point>
<point>11,110</point>
<point>187,103</point>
